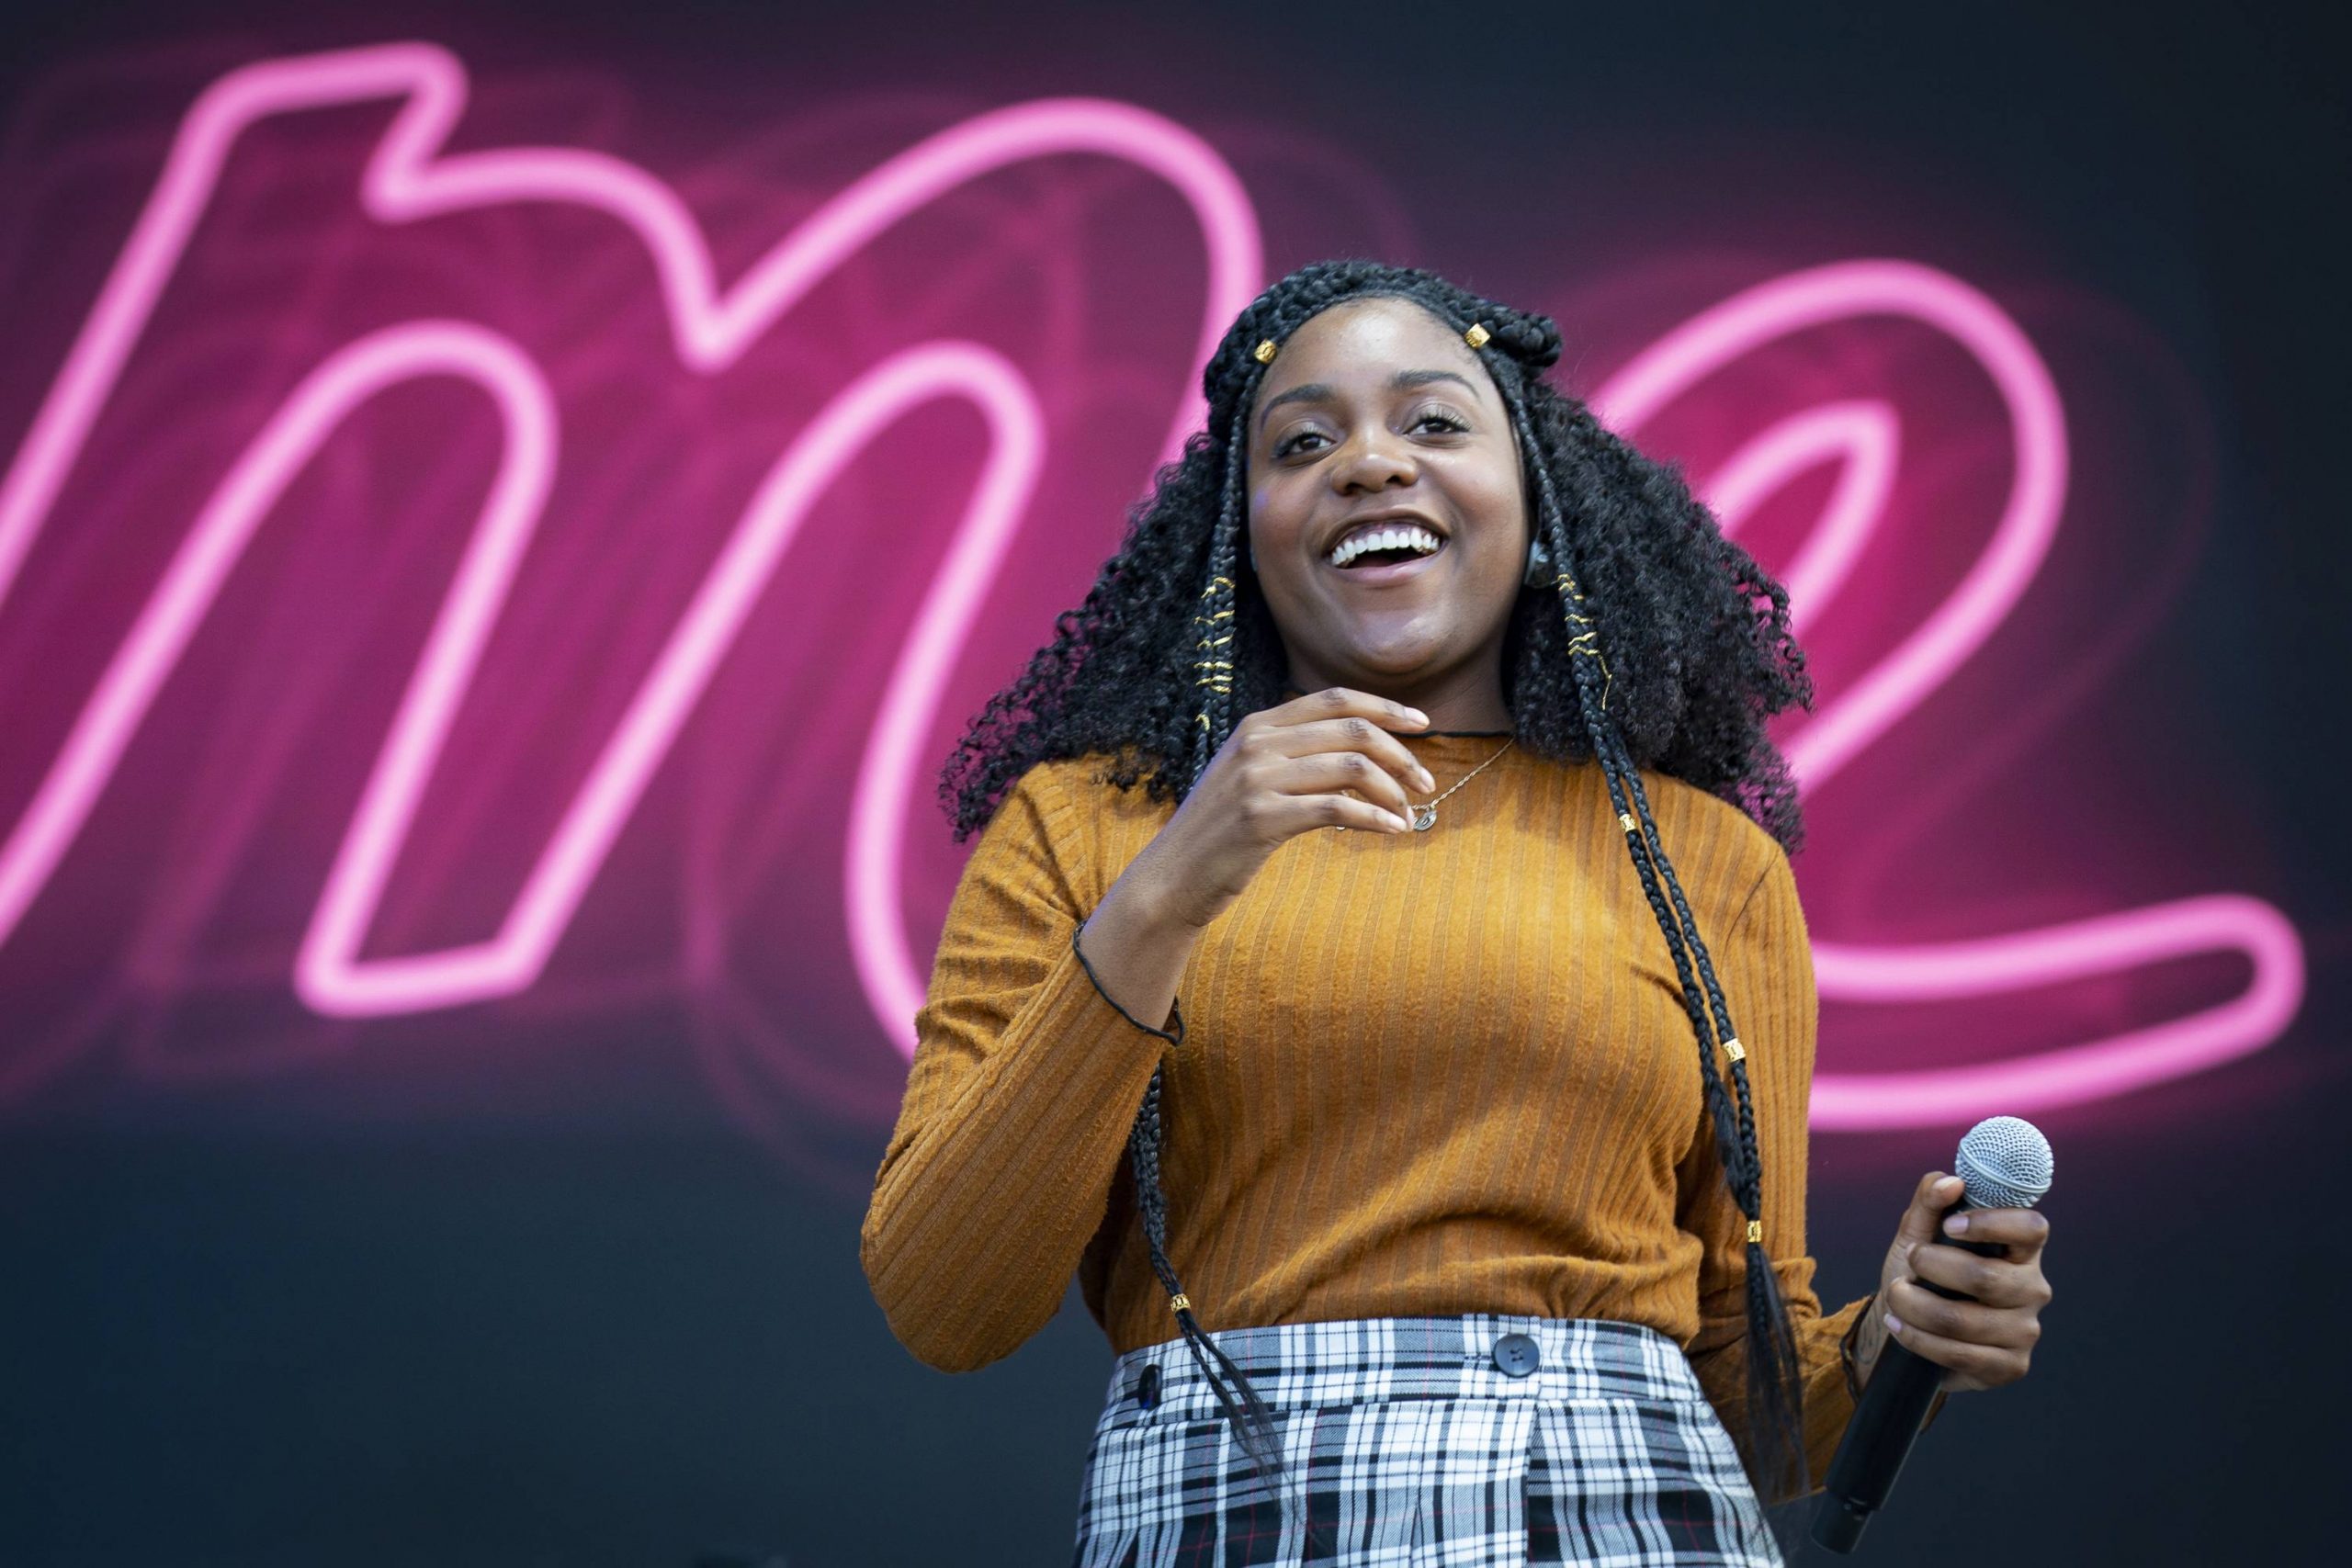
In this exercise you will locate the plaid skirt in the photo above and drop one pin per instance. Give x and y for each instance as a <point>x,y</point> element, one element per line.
<point>1484,1438</point>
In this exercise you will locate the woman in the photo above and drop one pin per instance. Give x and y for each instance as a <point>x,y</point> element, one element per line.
<point>1411,657</point>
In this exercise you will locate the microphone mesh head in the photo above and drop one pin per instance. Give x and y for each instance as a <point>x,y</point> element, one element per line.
<point>2004,1163</point>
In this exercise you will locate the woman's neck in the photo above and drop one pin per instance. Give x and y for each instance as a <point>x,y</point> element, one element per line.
<point>1473,706</point>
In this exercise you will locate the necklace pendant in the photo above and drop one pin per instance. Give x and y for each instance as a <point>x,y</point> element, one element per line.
<point>1424,817</point>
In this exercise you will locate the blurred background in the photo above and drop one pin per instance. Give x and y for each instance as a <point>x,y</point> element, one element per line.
<point>508,507</point>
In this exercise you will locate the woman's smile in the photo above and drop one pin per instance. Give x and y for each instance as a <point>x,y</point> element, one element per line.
<point>1391,546</point>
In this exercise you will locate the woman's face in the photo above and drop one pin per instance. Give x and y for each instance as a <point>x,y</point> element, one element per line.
<point>1375,416</point>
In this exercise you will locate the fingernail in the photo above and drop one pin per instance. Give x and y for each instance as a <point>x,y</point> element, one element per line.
<point>1894,1324</point>
<point>1947,1185</point>
<point>1908,1248</point>
<point>1956,1224</point>
<point>1417,715</point>
<point>1429,780</point>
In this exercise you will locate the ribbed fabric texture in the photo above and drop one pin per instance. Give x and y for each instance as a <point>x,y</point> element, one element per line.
<point>1428,1073</point>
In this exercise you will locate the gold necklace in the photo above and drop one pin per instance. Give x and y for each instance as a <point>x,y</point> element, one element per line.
<point>1425,813</point>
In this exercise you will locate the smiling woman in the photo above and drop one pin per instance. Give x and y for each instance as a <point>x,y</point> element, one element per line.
<point>1505,1259</point>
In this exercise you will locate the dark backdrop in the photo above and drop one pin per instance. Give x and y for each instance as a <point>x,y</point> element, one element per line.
<point>566,1272</point>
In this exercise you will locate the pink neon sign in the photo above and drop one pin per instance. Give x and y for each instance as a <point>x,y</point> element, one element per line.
<point>409,179</point>
<point>1851,719</point>
<point>411,176</point>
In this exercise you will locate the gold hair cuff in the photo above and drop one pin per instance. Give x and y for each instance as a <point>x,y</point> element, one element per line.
<point>1179,1303</point>
<point>1477,334</point>
<point>1625,821</point>
<point>1264,353</point>
<point>1755,1230</point>
<point>1738,1051</point>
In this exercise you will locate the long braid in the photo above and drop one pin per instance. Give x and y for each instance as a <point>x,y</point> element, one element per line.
<point>1518,344</point>
<point>1775,1382</point>
<point>1775,1374</point>
<point>1231,375</point>
<point>1252,1418</point>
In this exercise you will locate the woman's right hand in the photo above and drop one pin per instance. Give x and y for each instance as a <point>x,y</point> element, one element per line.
<point>1279,774</point>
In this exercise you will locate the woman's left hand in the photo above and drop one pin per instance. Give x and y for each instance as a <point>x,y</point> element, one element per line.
<point>1980,1343</point>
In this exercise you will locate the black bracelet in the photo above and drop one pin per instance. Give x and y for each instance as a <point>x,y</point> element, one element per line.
<point>1173,1010</point>
<point>1846,1347</point>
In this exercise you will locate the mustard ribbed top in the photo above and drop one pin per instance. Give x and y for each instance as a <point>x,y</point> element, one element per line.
<point>1422,1073</point>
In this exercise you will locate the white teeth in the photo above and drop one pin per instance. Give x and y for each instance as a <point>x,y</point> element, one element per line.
<point>1402,537</point>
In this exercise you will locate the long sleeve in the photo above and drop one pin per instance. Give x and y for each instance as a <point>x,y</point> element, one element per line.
<point>1765,963</point>
<point>1024,1083</point>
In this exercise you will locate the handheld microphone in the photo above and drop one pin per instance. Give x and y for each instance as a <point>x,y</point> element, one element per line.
<point>2004,1163</point>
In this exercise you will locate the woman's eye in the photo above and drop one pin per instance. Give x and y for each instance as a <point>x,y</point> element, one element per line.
<point>1297,441</point>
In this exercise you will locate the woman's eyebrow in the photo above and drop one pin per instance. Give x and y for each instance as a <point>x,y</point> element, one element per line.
<point>1407,381</point>
<point>1317,391</point>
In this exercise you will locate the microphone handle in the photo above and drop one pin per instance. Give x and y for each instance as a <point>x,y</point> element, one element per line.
<point>1894,1401</point>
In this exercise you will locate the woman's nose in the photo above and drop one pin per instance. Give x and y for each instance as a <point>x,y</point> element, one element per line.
<point>1373,460</point>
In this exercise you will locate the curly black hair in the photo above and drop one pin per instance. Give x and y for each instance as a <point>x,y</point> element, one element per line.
<point>1649,641</point>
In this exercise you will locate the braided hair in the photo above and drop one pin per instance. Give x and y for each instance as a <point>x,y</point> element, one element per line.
<point>1699,654</point>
